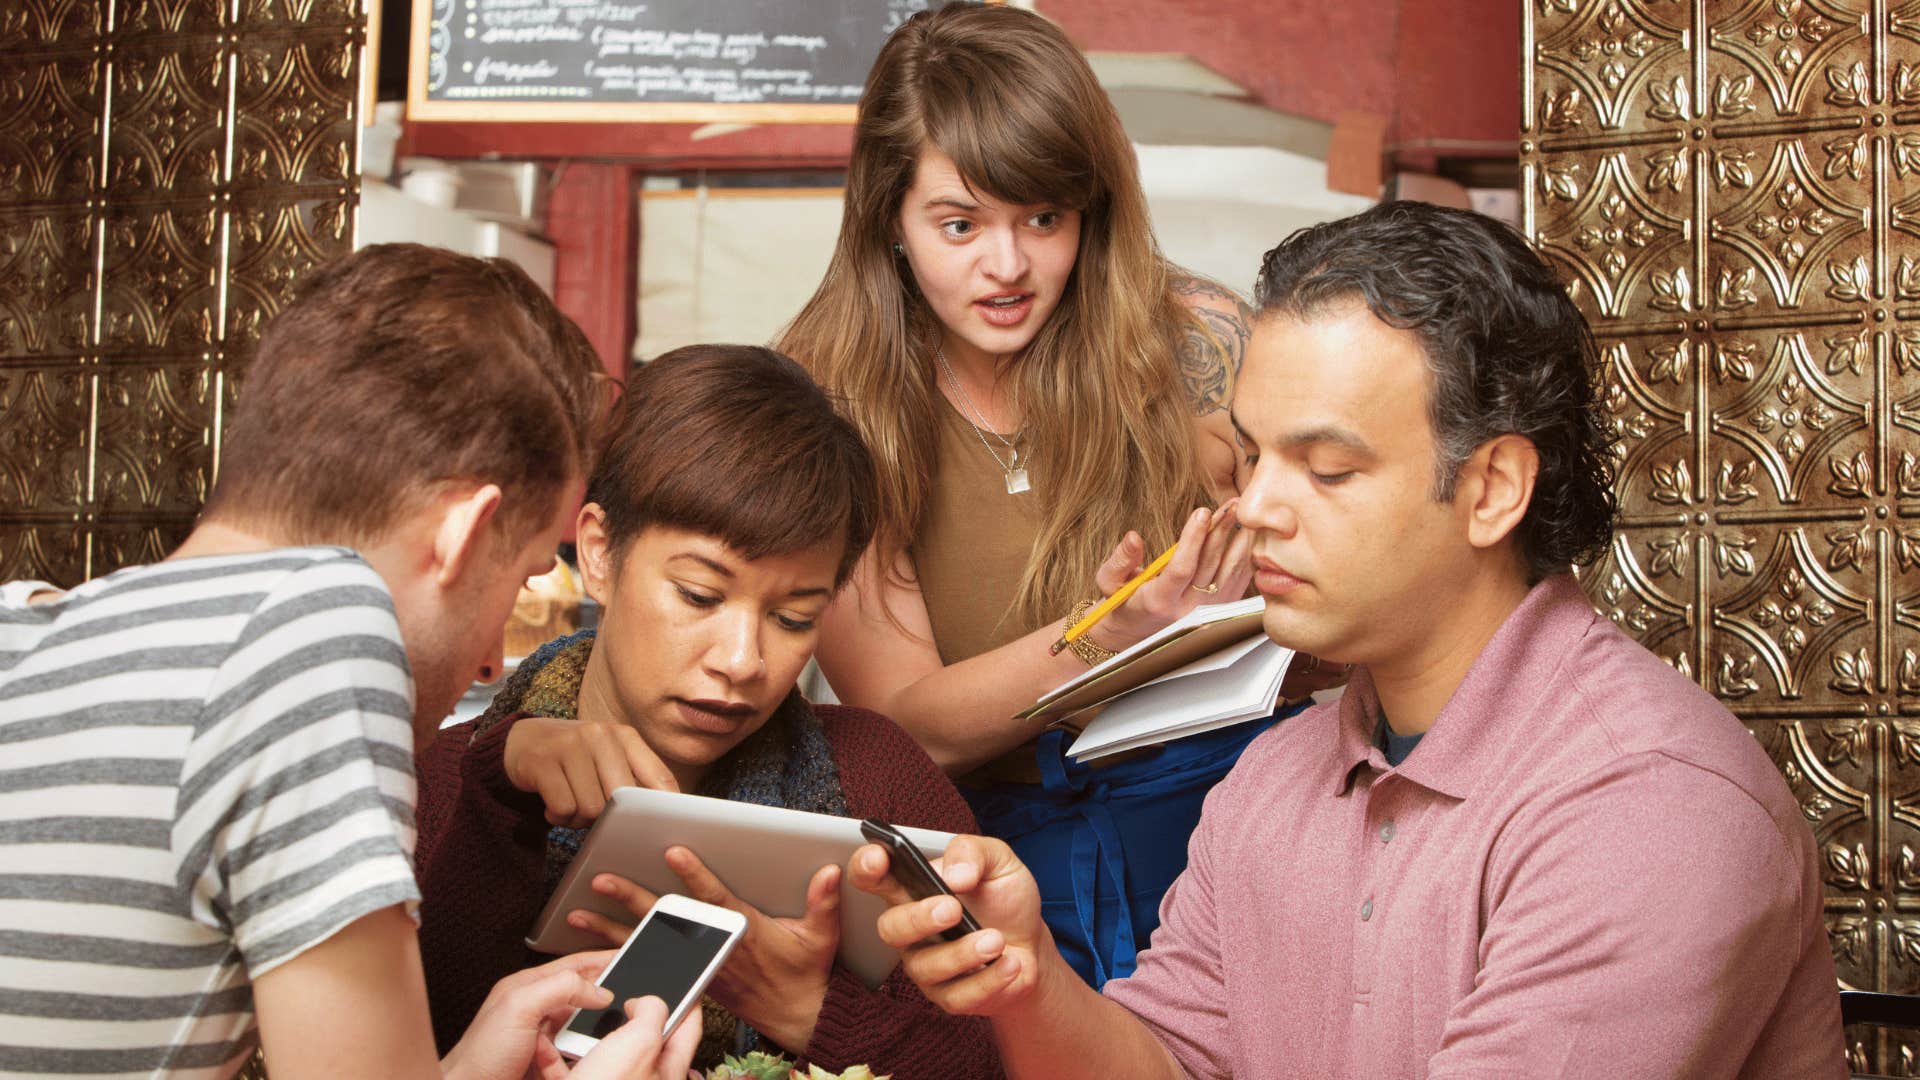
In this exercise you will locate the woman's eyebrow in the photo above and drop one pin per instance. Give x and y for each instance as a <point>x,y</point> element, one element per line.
<point>715,566</point>
<point>723,570</point>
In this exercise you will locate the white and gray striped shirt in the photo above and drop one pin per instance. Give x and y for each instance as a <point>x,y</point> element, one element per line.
<point>206,768</point>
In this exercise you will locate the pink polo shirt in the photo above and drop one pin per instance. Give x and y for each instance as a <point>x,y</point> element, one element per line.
<point>1586,868</point>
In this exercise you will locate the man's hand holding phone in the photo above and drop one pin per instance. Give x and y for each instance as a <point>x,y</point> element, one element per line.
<point>512,1035</point>
<point>983,973</point>
<point>670,957</point>
<point>635,1050</point>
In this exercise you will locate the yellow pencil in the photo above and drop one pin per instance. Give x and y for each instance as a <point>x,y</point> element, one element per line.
<point>1120,595</point>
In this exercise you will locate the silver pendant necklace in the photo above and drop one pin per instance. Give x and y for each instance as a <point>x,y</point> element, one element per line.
<point>1016,473</point>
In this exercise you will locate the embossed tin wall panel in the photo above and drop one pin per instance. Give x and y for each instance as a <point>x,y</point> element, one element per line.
<point>167,168</point>
<point>1734,189</point>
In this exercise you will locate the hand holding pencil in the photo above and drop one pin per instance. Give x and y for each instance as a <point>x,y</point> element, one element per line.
<point>1210,563</point>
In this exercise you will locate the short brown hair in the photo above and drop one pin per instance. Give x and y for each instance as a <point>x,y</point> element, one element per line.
<point>398,367</point>
<point>736,442</point>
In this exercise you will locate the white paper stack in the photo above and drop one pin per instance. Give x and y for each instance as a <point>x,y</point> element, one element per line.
<point>1236,684</point>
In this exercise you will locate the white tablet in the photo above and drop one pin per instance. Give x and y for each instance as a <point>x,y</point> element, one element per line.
<point>765,854</point>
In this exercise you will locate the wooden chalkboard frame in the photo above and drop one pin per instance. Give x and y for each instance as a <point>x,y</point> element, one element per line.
<point>421,107</point>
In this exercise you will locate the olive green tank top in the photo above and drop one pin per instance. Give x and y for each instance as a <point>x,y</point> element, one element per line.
<point>974,541</point>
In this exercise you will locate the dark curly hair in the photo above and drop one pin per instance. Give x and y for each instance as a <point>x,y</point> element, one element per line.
<point>1508,350</point>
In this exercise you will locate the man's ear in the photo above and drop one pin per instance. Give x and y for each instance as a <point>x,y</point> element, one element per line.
<point>463,527</point>
<point>1496,487</point>
<point>595,552</point>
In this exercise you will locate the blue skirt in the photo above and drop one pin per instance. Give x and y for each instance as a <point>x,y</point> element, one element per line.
<point>1106,844</point>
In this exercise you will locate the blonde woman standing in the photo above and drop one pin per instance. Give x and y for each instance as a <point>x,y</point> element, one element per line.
<point>1046,399</point>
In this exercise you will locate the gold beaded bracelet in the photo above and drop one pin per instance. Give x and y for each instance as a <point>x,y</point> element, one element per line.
<point>1084,646</point>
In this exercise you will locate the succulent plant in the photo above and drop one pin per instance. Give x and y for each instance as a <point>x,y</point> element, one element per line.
<point>762,1066</point>
<point>755,1066</point>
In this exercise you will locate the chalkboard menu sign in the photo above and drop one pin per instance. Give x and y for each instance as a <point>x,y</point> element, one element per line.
<point>753,61</point>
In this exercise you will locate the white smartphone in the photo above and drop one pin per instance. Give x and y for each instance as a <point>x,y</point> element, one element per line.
<point>672,955</point>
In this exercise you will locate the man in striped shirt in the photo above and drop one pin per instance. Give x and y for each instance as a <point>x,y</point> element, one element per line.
<point>206,764</point>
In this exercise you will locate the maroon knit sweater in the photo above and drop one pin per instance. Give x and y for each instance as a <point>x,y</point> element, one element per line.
<point>482,869</point>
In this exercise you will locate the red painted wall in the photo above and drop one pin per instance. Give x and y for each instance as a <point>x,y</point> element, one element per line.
<point>1457,77</point>
<point>1444,70</point>
<point>592,218</point>
<point>1308,57</point>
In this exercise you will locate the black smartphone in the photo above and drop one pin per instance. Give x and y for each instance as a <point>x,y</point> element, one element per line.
<point>915,874</point>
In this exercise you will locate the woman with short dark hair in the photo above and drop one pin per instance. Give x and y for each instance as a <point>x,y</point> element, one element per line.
<point>730,507</point>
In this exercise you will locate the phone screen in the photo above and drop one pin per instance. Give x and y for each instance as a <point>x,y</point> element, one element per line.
<point>664,962</point>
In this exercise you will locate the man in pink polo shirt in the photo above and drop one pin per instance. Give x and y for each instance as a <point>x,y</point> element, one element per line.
<point>1520,845</point>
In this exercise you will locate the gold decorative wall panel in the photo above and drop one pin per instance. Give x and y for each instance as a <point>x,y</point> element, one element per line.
<point>167,167</point>
<point>1734,189</point>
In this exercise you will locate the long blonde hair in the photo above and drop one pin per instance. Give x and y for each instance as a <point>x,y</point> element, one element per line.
<point>1008,98</point>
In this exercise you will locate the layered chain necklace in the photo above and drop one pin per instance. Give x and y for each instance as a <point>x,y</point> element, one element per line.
<point>1016,473</point>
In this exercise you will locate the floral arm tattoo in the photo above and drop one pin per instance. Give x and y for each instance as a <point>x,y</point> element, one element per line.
<point>1212,347</point>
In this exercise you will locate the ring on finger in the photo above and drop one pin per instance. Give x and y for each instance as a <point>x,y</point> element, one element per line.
<point>1211,588</point>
